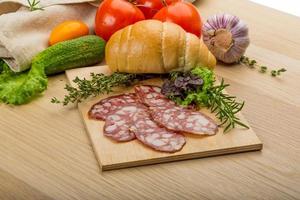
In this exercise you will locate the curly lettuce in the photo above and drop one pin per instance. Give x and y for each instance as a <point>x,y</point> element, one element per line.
<point>191,87</point>
<point>20,88</point>
<point>200,98</point>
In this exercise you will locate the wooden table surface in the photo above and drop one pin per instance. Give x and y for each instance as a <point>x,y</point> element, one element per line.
<point>45,152</point>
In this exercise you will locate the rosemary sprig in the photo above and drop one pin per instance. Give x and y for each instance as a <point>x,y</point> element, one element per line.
<point>34,5</point>
<point>98,84</point>
<point>225,106</point>
<point>263,69</point>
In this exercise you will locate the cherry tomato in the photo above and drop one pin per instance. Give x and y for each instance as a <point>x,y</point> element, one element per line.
<point>151,7</point>
<point>184,14</point>
<point>68,30</point>
<point>113,15</point>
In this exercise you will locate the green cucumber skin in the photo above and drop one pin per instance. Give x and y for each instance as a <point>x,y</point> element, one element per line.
<point>80,52</point>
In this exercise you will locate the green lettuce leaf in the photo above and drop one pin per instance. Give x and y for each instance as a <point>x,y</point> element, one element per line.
<point>20,88</point>
<point>201,98</point>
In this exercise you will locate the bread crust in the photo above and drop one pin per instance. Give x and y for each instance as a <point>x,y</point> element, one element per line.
<point>151,46</point>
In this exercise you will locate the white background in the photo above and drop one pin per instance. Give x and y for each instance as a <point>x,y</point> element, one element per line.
<point>288,6</point>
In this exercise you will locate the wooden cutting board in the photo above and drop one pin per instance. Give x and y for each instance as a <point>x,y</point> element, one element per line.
<point>113,155</point>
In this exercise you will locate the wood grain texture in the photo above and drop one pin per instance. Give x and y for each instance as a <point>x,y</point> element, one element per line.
<point>13,188</point>
<point>45,146</point>
<point>112,155</point>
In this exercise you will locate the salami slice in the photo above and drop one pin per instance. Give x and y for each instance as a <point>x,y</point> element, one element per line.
<point>118,122</point>
<point>150,134</point>
<point>152,96</point>
<point>101,109</point>
<point>184,120</point>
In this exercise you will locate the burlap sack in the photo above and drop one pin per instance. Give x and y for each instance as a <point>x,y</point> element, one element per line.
<point>23,33</point>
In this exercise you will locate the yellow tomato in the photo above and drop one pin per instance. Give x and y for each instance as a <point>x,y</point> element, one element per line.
<point>68,30</point>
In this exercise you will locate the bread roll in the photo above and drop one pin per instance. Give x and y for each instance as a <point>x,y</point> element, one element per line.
<point>151,46</point>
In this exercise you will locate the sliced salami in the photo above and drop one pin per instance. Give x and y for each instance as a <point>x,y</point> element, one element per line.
<point>118,122</point>
<point>101,109</point>
<point>184,120</point>
<point>150,134</point>
<point>152,96</point>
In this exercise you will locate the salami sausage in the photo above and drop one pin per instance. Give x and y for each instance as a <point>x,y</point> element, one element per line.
<point>133,121</point>
<point>152,96</point>
<point>184,120</point>
<point>118,122</point>
<point>101,109</point>
<point>150,117</point>
<point>159,138</point>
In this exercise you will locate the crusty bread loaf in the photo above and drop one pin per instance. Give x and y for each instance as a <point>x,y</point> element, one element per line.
<point>151,46</point>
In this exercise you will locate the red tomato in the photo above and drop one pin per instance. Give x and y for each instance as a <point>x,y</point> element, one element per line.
<point>113,15</point>
<point>151,7</point>
<point>184,14</point>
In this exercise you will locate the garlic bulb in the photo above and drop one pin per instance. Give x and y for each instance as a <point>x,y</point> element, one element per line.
<point>226,36</point>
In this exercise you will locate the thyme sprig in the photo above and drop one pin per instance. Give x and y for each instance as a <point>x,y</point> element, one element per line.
<point>98,84</point>
<point>34,5</point>
<point>263,69</point>
<point>225,106</point>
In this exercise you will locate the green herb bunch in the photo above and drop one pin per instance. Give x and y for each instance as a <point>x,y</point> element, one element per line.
<point>207,95</point>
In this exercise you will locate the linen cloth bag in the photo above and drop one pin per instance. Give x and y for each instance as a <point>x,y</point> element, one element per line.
<point>24,33</point>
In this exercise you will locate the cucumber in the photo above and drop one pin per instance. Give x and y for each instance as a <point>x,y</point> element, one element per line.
<point>79,52</point>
